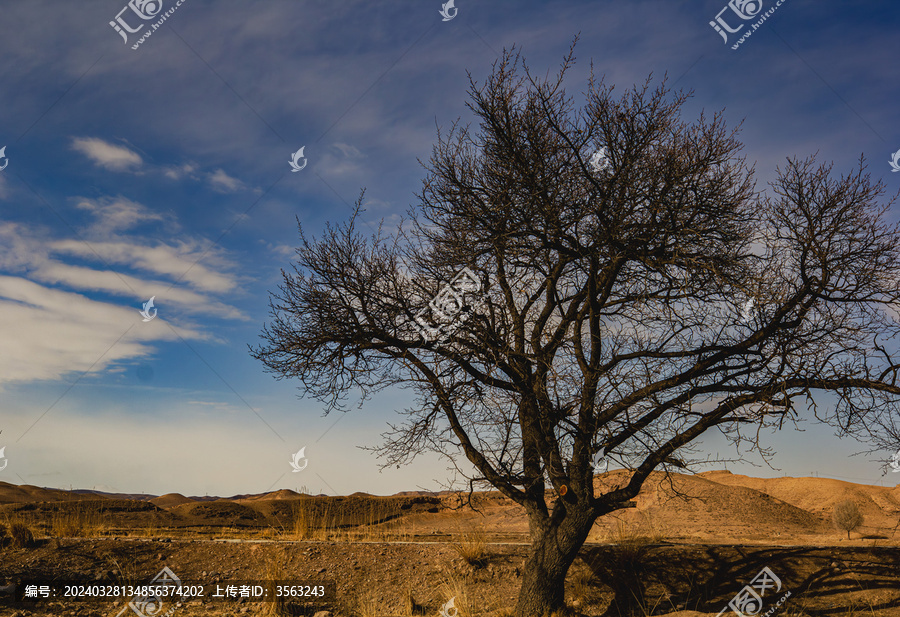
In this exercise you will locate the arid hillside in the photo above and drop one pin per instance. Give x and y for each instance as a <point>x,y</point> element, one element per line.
<point>711,507</point>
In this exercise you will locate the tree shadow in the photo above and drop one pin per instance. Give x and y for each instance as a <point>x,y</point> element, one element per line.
<point>652,579</point>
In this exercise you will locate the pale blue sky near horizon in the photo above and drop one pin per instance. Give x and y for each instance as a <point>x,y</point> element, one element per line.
<point>164,171</point>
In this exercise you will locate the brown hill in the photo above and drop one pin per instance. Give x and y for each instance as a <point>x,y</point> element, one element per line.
<point>221,512</point>
<point>694,507</point>
<point>170,500</point>
<point>879,505</point>
<point>713,507</point>
<point>25,493</point>
<point>281,494</point>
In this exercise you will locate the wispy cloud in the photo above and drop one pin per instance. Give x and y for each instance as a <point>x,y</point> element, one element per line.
<point>49,333</point>
<point>223,183</point>
<point>117,213</point>
<point>179,260</point>
<point>51,328</point>
<point>107,155</point>
<point>177,172</point>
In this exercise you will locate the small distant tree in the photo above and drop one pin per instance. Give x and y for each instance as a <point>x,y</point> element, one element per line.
<point>847,516</point>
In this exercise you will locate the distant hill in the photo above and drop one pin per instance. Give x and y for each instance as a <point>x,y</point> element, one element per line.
<point>714,506</point>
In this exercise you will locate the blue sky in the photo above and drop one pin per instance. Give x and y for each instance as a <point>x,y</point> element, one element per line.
<point>163,171</point>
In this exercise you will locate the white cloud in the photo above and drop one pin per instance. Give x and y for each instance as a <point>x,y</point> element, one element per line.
<point>116,214</point>
<point>180,261</point>
<point>50,329</point>
<point>177,172</point>
<point>122,284</point>
<point>105,154</point>
<point>223,183</point>
<point>48,333</point>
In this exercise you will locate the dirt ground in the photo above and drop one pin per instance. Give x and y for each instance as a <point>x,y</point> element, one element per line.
<point>419,578</point>
<point>687,548</point>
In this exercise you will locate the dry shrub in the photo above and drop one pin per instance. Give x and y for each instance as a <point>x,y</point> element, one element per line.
<point>367,605</point>
<point>21,535</point>
<point>472,547</point>
<point>847,516</point>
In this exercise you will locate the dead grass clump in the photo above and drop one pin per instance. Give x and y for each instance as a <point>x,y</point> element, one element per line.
<point>411,607</point>
<point>367,605</point>
<point>21,535</point>
<point>275,571</point>
<point>472,547</point>
<point>583,579</point>
<point>457,598</point>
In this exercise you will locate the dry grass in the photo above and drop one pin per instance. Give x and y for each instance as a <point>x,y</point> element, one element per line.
<point>367,605</point>
<point>21,535</point>
<point>456,595</point>
<point>411,607</point>
<point>276,568</point>
<point>472,547</point>
<point>583,579</point>
<point>76,522</point>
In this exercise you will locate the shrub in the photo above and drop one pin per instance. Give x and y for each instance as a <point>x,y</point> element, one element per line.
<point>472,547</point>
<point>847,516</point>
<point>21,535</point>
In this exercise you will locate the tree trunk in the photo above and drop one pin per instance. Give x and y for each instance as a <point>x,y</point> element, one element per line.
<point>553,550</point>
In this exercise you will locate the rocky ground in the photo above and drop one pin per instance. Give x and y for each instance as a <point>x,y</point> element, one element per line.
<point>382,579</point>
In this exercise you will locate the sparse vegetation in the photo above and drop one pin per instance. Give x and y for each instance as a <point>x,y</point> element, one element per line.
<point>276,570</point>
<point>76,520</point>
<point>472,547</point>
<point>367,604</point>
<point>411,607</point>
<point>846,516</point>
<point>21,535</point>
<point>455,590</point>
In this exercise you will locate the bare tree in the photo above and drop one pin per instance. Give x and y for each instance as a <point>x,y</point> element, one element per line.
<point>847,516</point>
<point>633,299</point>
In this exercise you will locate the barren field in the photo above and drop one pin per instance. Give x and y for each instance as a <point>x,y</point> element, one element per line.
<point>687,548</point>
